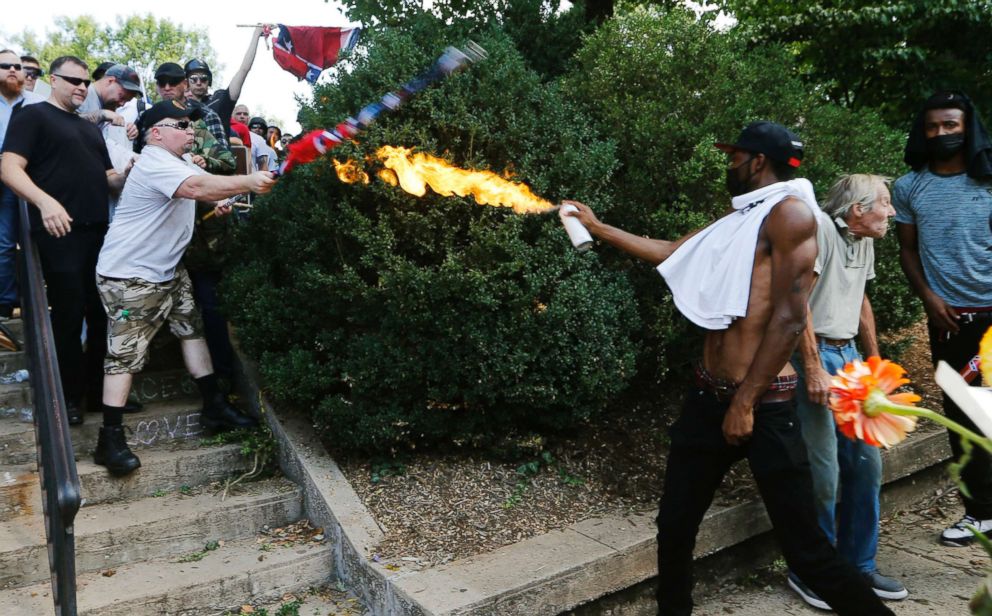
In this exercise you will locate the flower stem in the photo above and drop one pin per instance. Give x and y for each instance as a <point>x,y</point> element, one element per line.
<point>901,409</point>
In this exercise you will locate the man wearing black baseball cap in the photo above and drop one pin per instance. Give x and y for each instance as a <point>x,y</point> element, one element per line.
<point>746,279</point>
<point>171,83</point>
<point>141,281</point>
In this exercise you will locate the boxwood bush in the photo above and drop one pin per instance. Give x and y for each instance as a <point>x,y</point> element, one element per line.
<point>401,321</point>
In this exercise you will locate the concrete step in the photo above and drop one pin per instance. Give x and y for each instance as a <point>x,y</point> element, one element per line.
<point>116,534</point>
<point>12,361</point>
<point>16,395</point>
<point>161,471</point>
<point>223,580</point>
<point>162,385</point>
<point>160,423</point>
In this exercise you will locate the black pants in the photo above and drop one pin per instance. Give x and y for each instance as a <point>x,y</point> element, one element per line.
<point>69,267</point>
<point>215,329</point>
<point>956,350</point>
<point>699,459</point>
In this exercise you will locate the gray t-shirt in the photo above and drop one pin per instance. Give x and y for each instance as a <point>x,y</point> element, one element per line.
<point>151,229</point>
<point>92,102</point>
<point>952,217</point>
<point>844,264</point>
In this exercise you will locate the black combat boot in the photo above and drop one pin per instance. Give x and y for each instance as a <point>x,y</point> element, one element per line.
<point>112,451</point>
<point>221,415</point>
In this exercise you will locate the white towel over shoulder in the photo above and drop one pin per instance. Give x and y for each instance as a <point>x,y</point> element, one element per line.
<point>710,274</point>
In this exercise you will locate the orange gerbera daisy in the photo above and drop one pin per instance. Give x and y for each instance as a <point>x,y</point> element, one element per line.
<point>864,406</point>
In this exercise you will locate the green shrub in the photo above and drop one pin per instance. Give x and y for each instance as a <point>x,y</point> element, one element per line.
<point>402,321</point>
<point>666,86</point>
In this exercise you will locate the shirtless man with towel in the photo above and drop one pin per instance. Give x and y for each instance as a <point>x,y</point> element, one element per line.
<point>741,404</point>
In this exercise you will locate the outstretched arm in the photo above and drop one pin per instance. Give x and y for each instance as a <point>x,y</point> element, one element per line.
<point>234,88</point>
<point>791,232</point>
<point>644,248</point>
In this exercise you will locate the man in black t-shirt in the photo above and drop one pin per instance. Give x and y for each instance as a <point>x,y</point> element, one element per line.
<point>57,161</point>
<point>221,101</point>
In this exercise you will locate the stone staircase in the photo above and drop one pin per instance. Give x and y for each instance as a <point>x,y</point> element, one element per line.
<point>162,540</point>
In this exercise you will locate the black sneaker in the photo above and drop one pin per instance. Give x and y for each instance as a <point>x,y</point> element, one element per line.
<point>807,595</point>
<point>960,535</point>
<point>885,587</point>
<point>74,414</point>
<point>221,415</point>
<point>112,451</point>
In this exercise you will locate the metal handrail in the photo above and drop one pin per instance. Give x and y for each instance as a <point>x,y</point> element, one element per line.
<point>56,464</point>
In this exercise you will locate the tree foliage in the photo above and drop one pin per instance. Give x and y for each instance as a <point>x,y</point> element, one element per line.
<point>403,321</point>
<point>888,55</point>
<point>142,42</point>
<point>546,32</point>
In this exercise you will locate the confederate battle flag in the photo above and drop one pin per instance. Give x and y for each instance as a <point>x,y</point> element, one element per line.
<point>306,51</point>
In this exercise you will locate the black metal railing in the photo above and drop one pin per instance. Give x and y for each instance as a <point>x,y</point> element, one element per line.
<point>56,464</point>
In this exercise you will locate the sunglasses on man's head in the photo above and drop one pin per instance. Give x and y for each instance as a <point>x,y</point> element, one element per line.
<point>33,72</point>
<point>197,79</point>
<point>6,66</point>
<point>180,125</point>
<point>169,81</point>
<point>76,81</point>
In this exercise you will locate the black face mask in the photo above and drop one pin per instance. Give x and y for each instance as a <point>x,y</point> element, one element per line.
<point>735,185</point>
<point>945,147</point>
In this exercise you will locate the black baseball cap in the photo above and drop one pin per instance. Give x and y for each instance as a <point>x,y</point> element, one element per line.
<point>773,140</point>
<point>170,70</point>
<point>169,109</point>
<point>126,76</point>
<point>160,111</point>
<point>257,121</point>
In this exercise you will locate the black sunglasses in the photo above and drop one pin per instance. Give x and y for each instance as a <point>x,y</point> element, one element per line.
<point>76,81</point>
<point>180,125</point>
<point>6,66</point>
<point>169,81</point>
<point>33,72</point>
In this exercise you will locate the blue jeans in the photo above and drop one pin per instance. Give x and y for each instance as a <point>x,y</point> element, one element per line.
<point>851,524</point>
<point>8,246</point>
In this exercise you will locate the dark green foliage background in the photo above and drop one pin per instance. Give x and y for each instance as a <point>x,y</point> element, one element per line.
<point>402,321</point>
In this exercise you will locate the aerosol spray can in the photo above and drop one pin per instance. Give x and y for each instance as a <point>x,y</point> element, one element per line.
<point>577,232</point>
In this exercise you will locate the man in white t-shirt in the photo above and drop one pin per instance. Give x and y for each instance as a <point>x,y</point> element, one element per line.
<point>141,282</point>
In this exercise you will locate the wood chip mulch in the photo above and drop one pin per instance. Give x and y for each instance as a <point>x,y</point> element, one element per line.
<point>437,507</point>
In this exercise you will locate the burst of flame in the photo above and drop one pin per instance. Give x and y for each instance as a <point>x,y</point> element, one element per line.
<point>349,173</point>
<point>414,172</point>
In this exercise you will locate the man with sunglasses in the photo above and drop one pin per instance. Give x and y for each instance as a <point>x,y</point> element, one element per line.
<point>13,96</point>
<point>171,83</point>
<point>58,162</point>
<point>142,283</point>
<point>222,101</point>
<point>33,74</point>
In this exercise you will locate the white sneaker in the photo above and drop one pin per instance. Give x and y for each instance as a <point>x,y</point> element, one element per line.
<point>960,535</point>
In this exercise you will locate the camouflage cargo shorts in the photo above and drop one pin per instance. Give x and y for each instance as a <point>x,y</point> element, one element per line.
<point>137,309</point>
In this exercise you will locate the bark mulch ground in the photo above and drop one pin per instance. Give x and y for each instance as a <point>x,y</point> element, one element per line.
<point>437,507</point>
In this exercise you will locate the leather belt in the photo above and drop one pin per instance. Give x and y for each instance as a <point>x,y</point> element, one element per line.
<point>781,389</point>
<point>970,315</point>
<point>834,342</point>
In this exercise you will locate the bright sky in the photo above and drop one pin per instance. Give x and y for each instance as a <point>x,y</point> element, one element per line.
<point>268,87</point>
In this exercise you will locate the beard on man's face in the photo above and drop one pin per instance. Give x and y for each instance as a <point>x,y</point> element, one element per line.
<point>11,85</point>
